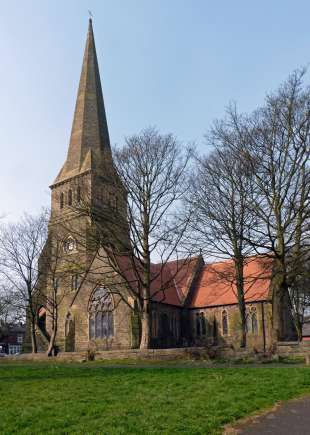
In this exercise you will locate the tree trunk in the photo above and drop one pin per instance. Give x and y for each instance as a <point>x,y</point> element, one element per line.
<point>145,327</point>
<point>298,327</point>
<point>51,346</point>
<point>238,261</point>
<point>34,347</point>
<point>279,293</point>
<point>243,341</point>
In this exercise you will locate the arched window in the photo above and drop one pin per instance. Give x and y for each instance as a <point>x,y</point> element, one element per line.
<point>176,326</point>
<point>61,200</point>
<point>224,322</point>
<point>75,282</point>
<point>68,324</point>
<point>254,322</point>
<point>248,323</point>
<point>154,324</point>
<point>78,194</point>
<point>70,197</point>
<point>198,326</point>
<point>203,324</point>
<point>41,320</point>
<point>101,314</point>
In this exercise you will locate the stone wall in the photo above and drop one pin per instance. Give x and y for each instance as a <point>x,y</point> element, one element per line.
<point>214,334</point>
<point>135,354</point>
<point>293,349</point>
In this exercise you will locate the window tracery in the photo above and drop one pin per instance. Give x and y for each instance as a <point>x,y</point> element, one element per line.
<point>101,314</point>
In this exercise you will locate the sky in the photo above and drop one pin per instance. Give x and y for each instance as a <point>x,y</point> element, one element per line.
<point>173,64</point>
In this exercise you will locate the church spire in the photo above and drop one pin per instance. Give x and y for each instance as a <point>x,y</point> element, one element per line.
<point>89,146</point>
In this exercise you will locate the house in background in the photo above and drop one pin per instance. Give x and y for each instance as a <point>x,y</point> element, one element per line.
<point>12,338</point>
<point>306,329</point>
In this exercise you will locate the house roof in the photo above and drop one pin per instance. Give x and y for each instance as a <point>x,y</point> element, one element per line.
<point>217,285</point>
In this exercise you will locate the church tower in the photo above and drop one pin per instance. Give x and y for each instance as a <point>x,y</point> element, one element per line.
<point>88,211</point>
<point>88,178</point>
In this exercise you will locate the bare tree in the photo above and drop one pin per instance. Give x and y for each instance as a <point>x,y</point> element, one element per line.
<point>9,305</point>
<point>220,196</point>
<point>47,288</point>
<point>153,170</point>
<point>5,306</point>
<point>275,144</point>
<point>20,247</point>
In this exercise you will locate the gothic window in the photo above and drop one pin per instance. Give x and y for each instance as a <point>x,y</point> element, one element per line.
<point>69,245</point>
<point>41,320</point>
<point>154,324</point>
<point>215,330</point>
<point>173,324</point>
<point>175,330</point>
<point>198,328</point>
<point>248,323</point>
<point>68,322</point>
<point>70,197</point>
<point>251,321</point>
<point>176,324</point>
<point>61,200</point>
<point>75,282</point>
<point>254,321</point>
<point>101,314</point>
<point>78,194</point>
<point>224,322</point>
<point>203,324</point>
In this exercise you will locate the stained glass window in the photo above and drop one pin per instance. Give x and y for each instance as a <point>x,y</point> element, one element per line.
<point>101,314</point>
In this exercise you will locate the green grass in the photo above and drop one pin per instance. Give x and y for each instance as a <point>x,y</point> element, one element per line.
<point>93,399</point>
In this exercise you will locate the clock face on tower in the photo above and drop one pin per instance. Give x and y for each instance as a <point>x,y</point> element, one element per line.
<point>69,244</point>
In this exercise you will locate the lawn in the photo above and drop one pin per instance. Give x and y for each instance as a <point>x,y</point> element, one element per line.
<point>93,399</point>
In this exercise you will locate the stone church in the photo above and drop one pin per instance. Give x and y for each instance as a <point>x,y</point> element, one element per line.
<point>198,308</point>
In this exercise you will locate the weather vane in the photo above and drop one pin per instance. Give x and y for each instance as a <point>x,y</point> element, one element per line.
<point>90,14</point>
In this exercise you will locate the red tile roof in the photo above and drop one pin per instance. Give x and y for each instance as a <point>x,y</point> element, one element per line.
<point>170,283</point>
<point>216,284</point>
<point>176,278</point>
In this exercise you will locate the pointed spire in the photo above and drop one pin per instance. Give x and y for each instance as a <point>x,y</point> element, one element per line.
<point>89,146</point>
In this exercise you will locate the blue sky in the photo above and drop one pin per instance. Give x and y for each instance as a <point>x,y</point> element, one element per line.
<point>174,64</point>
